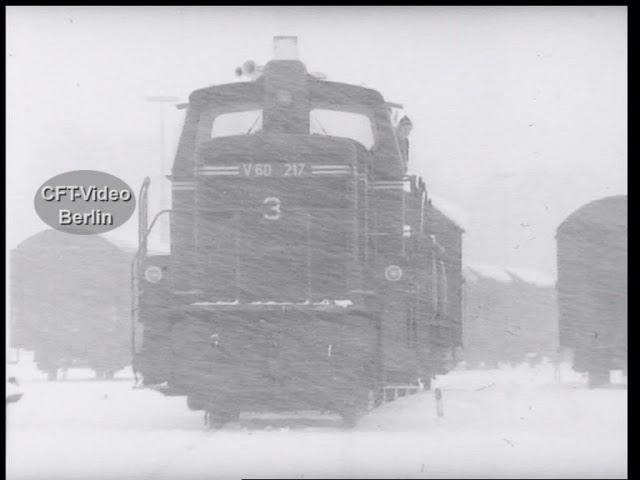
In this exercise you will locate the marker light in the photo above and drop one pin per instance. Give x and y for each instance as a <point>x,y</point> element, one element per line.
<point>393,273</point>
<point>153,274</point>
<point>250,70</point>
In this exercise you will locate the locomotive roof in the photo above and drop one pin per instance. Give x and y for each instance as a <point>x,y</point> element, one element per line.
<point>605,213</point>
<point>330,92</point>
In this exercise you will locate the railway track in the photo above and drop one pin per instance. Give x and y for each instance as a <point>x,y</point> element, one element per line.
<point>387,394</point>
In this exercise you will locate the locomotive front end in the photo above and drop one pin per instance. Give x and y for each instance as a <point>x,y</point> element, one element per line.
<point>262,306</point>
<point>275,220</point>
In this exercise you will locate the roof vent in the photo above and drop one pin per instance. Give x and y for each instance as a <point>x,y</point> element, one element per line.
<point>285,48</point>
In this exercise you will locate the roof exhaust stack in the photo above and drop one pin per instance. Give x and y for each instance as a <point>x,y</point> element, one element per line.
<point>285,48</point>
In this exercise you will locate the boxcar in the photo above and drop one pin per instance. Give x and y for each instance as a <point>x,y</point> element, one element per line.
<point>70,302</point>
<point>508,317</point>
<point>592,286</point>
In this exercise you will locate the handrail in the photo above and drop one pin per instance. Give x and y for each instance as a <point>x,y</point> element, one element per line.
<point>143,211</point>
<point>144,230</point>
<point>142,243</point>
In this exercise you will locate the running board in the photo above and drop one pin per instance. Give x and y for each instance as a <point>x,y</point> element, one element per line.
<point>391,392</point>
<point>162,388</point>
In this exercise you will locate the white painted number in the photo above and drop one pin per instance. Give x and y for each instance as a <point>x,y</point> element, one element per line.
<point>274,207</point>
<point>266,169</point>
<point>259,169</point>
<point>293,169</point>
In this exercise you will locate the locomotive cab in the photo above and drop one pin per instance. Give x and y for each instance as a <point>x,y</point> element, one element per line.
<point>282,163</point>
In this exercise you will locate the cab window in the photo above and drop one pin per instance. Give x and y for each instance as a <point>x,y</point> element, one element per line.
<point>244,122</point>
<point>338,123</point>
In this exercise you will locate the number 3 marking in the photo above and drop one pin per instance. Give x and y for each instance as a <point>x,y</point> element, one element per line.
<point>274,205</point>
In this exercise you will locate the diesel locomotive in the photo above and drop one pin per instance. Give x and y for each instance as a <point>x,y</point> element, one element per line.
<point>307,270</point>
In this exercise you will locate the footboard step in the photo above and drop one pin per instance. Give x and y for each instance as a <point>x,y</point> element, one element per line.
<point>162,388</point>
<point>405,387</point>
<point>289,415</point>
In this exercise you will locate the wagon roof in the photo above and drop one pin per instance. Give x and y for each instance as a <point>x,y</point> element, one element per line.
<point>605,213</point>
<point>54,239</point>
<point>502,274</point>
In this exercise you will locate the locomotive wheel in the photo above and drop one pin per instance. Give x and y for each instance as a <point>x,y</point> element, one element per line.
<point>376,398</point>
<point>52,374</point>
<point>350,417</point>
<point>353,408</point>
<point>389,395</point>
<point>215,420</point>
<point>598,378</point>
<point>194,404</point>
<point>426,383</point>
<point>379,398</point>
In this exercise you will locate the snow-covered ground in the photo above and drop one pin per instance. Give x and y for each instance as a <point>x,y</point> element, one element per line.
<point>511,422</point>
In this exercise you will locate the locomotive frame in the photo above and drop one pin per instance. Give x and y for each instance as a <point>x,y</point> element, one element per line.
<point>369,271</point>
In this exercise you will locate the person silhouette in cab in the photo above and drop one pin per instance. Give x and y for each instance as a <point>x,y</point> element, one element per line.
<point>403,130</point>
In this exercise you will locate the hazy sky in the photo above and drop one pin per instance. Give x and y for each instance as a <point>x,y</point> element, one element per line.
<point>519,113</point>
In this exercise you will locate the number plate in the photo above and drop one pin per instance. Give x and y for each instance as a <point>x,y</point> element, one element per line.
<point>274,169</point>
<point>292,170</point>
